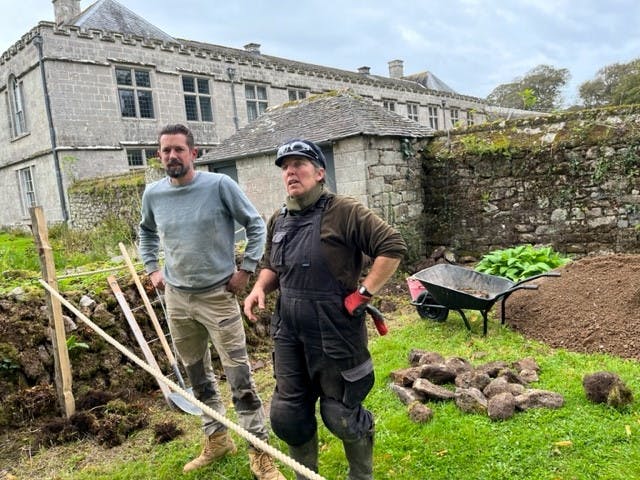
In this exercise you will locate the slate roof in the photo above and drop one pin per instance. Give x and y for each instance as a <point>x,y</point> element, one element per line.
<point>430,81</point>
<point>319,118</point>
<point>421,82</point>
<point>110,16</point>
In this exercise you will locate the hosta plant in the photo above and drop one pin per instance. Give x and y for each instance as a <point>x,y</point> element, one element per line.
<point>521,262</point>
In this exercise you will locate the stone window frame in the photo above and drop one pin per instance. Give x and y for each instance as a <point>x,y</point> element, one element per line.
<point>389,104</point>
<point>135,92</point>
<point>197,99</point>
<point>17,115</point>
<point>297,94</point>
<point>139,157</point>
<point>470,119</point>
<point>454,113</point>
<point>257,99</point>
<point>27,187</point>
<point>413,111</point>
<point>432,111</point>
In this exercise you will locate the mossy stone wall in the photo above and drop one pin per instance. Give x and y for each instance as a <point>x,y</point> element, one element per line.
<point>568,180</point>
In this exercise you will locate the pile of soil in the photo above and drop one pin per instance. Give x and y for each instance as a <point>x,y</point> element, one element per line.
<point>593,307</point>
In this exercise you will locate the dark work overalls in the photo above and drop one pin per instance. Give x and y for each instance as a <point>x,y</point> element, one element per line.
<point>320,351</point>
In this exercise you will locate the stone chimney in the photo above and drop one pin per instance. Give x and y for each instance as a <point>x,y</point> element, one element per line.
<point>65,10</point>
<point>253,48</point>
<point>396,69</point>
<point>364,70</point>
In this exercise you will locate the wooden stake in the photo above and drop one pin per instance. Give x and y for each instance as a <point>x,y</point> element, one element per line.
<point>62,366</point>
<point>147,303</point>
<point>148,355</point>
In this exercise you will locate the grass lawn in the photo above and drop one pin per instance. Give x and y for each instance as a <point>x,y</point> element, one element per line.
<point>578,441</point>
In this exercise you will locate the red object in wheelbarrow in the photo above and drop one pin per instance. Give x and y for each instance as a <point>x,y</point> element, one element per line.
<point>453,287</point>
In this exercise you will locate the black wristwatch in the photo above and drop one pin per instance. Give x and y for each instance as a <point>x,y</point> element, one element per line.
<point>362,290</point>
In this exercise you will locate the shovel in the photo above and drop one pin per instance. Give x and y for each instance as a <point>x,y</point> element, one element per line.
<point>177,400</point>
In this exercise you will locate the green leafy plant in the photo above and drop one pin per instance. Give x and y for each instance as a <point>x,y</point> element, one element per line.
<point>521,262</point>
<point>483,146</point>
<point>8,367</point>
<point>528,97</point>
<point>73,343</point>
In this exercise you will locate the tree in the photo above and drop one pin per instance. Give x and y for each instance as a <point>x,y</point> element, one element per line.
<point>540,89</point>
<point>614,84</point>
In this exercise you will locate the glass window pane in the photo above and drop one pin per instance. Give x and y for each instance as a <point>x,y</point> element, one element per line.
<point>188,84</point>
<point>292,95</point>
<point>252,112</point>
<point>191,107</point>
<point>250,92</point>
<point>205,109</point>
<point>143,79</point>
<point>28,190</point>
<point>127,103</point>
<point>262,93</point>
<point>203,86</point>
<point>135,158</point>
<point>262,107</point>
<point>123,76</point>
<point>145,103</point>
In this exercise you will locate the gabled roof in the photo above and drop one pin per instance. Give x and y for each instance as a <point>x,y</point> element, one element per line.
<point>430,81</point>
<point>110,16</point>
<point>319,118</point>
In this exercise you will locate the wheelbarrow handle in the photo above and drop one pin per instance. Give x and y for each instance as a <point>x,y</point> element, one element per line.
<point>533,277</point>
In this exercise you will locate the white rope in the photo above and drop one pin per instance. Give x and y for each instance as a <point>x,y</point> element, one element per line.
<point>255,441</point>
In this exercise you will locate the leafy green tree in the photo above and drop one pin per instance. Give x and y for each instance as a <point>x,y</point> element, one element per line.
<point>539,89</point>
<point>614,84</point>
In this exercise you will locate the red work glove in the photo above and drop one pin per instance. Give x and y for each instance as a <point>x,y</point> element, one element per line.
<point>355,303</point>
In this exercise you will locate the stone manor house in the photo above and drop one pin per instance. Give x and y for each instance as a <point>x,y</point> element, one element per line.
<point>85,95</point>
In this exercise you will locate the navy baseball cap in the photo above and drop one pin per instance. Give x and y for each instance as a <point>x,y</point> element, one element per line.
<point>301,148</point>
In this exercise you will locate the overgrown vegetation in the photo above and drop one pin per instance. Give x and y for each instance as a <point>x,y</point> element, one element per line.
<point>521,262</point>
<point>73,250</point>
<point>482,146</point>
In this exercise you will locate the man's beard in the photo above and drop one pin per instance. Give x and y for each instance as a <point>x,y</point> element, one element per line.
<point>176,170</point>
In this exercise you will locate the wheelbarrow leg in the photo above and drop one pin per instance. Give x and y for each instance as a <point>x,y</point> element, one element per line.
<point>464,317</point>
<point>485,319</point>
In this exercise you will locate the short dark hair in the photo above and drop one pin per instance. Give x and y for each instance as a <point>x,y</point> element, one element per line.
<point>176,129</point>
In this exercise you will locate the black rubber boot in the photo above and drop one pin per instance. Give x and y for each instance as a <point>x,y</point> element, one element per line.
<point>306,454</point>
<point>360,457</point>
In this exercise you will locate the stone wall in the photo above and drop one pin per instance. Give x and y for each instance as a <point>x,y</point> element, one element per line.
<point>571,181</point>
<point>92,202</point>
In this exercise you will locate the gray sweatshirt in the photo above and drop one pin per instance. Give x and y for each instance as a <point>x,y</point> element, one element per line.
<point>194,223</point>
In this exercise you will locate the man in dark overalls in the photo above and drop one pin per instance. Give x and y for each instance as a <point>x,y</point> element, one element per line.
<point>315,253</point>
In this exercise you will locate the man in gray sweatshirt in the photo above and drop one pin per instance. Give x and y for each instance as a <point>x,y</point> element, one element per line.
<point>191,214</point>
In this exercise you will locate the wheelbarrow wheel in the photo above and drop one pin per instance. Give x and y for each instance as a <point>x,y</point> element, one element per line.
<point>437,314</point>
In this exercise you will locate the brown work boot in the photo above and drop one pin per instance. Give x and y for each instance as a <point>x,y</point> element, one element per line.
<point>217,445</point>
<point>262,466</point>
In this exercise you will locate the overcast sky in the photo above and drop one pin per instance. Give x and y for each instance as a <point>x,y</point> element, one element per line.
<point>471,45</point>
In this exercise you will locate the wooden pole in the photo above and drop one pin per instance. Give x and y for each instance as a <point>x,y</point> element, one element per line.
<point>62,366</point>
<point>147,304</point>
<point>137,332</point>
